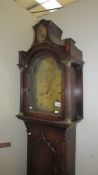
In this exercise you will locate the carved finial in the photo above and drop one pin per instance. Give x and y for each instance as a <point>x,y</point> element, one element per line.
<point>22,63</point>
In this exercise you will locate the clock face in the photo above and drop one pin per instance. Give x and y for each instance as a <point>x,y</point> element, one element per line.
<point>45,86</point>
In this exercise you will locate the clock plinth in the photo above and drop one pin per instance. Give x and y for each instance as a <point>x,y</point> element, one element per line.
<point>51,100</point>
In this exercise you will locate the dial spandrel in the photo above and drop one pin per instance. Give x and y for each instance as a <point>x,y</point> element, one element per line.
<point>45,87</point>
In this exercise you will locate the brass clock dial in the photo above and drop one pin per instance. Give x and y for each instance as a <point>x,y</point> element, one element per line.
<point>46,86</point>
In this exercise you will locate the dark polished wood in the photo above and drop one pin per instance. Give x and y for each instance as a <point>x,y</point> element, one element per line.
<point>51,150</point>
<point>52,138</point>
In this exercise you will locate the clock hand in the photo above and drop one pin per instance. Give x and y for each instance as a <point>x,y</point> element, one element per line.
<point>43,93</point>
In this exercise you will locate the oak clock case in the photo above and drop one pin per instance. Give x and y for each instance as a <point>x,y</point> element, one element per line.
<point>51,100</point>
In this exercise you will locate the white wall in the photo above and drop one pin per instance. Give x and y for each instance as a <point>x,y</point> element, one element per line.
<point>15,34</point>
<point>80,21</point>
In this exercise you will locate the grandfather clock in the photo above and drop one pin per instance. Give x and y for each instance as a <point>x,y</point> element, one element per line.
<point>51,100</point>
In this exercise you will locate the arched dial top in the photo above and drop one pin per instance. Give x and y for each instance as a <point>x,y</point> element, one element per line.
<point>45,86</point>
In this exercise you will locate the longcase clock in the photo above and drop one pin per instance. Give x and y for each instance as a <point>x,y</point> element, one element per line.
<point>51,100</point>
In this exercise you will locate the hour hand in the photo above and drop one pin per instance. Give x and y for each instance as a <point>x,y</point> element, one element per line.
<point>43,93</point>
